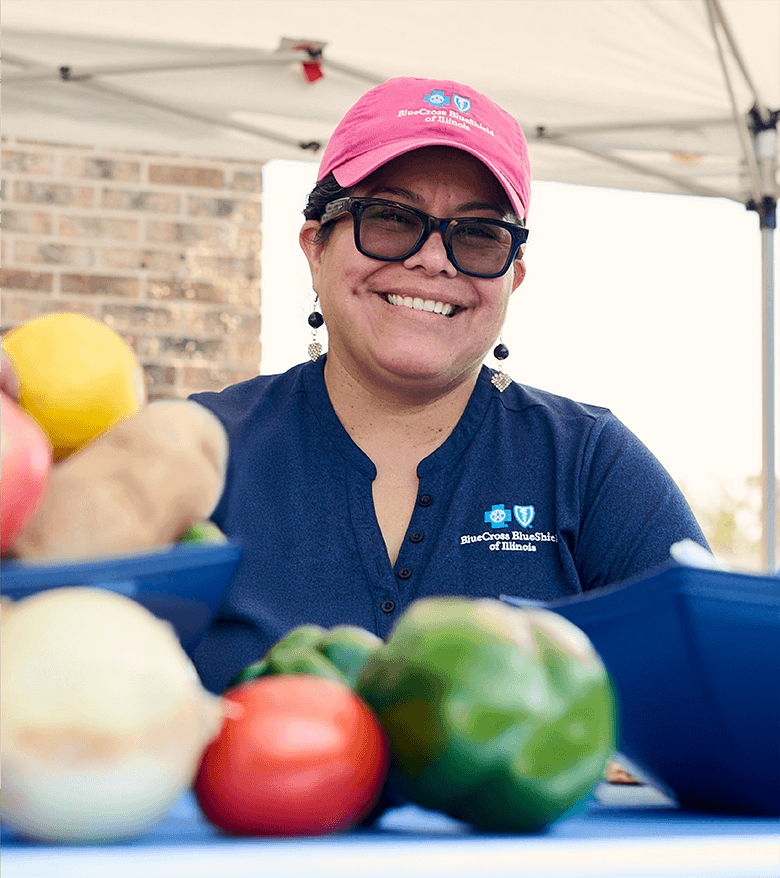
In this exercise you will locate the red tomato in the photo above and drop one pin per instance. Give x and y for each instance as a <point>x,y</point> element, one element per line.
<point>26,463</point>
<point>306,756</point>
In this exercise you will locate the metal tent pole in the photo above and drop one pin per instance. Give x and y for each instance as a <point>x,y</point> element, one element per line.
<point>763,127</point>
<point>769,390</point>
<point>757,131</point>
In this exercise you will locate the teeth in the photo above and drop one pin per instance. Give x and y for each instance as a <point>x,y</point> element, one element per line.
<point>418,304</point>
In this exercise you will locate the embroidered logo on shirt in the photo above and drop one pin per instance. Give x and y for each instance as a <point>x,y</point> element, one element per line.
<point>501,538</point>
<point>498,516</point>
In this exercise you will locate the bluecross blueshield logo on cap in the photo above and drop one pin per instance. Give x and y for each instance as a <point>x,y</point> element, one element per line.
<point>437,98</point>
<point>462,105</point>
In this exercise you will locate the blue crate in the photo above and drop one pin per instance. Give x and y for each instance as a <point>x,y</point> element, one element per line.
<point>182,583</point>
<point>694,656</point>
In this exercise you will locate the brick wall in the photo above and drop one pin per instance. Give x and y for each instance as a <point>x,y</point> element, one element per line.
<point>164,249</point>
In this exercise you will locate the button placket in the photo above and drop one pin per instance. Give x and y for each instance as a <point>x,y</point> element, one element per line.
<point>415,537</point>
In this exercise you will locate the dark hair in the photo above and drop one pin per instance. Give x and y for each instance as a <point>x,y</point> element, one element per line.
<point>325,191</point>
<point>328,189</point>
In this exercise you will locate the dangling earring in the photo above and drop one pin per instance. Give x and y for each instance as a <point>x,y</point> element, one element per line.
<point>500,380</point>
<point>315,321</point>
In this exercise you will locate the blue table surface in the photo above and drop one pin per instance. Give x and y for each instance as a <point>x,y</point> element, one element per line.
<point>619,831</point>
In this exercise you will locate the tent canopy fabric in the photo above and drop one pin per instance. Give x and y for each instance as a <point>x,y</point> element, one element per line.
<point>671,96</point>
<point>632,94</point>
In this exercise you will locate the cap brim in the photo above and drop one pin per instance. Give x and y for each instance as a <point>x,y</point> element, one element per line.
<point>356,169</point>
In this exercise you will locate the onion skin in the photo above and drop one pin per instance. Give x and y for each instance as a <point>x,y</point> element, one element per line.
<point>104,720</point>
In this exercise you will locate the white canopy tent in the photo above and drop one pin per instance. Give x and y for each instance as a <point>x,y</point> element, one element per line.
<point>672,96</point>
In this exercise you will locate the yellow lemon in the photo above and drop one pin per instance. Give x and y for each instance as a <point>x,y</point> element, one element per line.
<point>77,377</point>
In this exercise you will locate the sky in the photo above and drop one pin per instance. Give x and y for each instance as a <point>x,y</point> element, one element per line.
<point>649,305</point>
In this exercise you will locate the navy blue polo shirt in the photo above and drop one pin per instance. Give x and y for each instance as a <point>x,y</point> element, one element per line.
<point>531,494</point>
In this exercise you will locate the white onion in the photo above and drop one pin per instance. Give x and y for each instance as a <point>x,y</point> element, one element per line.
<point>104,719</point>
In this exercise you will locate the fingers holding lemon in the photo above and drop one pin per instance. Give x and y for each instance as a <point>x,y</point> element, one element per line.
<point>77,377</point>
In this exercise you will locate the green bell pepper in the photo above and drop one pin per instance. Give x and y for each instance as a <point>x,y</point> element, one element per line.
<point>203,532</point>
<point>339,653</point>
<point>498,716</point>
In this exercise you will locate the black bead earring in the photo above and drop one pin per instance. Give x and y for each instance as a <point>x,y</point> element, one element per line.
<point>315,321</point>
<point>500,380</point>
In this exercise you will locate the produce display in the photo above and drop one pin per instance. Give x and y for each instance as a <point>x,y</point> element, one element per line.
<point>104,720</point>
<point>77,377</point>
<point>499,716</point>
<point>128,475</point>
<point>144,483</point>
<point>305,756</point>
<point>339,653</point>
<point>26,463</point>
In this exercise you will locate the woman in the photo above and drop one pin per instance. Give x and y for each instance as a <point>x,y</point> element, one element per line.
<point>396,465</point>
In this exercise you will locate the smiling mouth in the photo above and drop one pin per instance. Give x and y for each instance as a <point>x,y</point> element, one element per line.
<point>418,304</point>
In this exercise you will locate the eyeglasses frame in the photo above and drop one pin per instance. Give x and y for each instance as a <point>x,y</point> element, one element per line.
<point>356,205</point>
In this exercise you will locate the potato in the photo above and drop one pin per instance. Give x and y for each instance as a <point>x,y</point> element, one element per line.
<point>140,485</point>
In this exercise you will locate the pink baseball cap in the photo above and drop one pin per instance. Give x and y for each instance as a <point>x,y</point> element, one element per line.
<point>407,113</point>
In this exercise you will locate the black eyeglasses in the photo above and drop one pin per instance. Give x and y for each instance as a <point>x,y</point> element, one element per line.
<point>393,232</point>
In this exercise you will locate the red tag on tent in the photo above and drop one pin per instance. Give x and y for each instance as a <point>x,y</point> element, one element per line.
<point>312,70</point>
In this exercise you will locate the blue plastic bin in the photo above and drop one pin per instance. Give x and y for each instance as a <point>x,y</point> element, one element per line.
<point>694,656</point>
<point>182,583</point>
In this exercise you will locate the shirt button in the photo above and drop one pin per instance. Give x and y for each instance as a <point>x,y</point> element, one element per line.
<point>416,537</point>
<point>425,500</point>
<point>404,573</point>
<point>387,606</point>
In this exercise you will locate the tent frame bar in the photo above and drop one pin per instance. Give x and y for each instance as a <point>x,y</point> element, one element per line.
<point>37,71</point>
<point>279,58</point>
<point>685,186</point>
<point>715,10</point>
<point>71,74</point>
<point>607,127</point>
<point>127,95</point>
<point>86,79</point>
<point>739,120</point>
